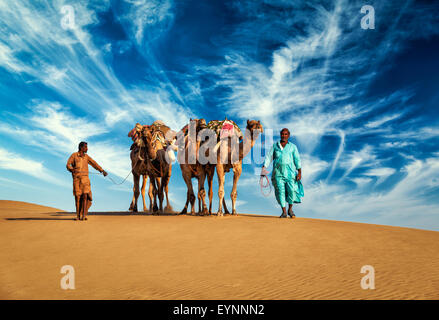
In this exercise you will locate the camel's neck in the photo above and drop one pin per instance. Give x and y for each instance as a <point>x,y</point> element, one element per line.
<point>247,144</point>
<point>152,152</point>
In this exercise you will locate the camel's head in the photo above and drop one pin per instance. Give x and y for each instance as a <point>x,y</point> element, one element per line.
<point>147,139</point>
<point>254,126</point>
<point>200,124</point>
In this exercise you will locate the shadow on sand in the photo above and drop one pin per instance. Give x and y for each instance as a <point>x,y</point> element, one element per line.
<point>57,214</point>
<point>118,213</point>
<point>69,216</point>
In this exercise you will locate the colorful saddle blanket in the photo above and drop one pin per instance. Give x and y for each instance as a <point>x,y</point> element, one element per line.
<point>225,128</point>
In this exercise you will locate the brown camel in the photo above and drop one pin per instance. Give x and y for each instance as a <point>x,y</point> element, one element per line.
<point>253,129</point>
<point>139,156</point>
<point>160,170</point>
<point>150,161</point>
<point>194,170</point>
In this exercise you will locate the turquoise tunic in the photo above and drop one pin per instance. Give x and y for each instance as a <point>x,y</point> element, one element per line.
<point>286,162</point>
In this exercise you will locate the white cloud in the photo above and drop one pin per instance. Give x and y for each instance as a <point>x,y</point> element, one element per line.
<point>396,144</point>
<point>403,205</point>
<point>13,161</point>
<point>311,167</point>
<point>382,120</point>
<point>364,157</point>
<point>381,173</point>
<point>54,129</point>
<point>69,63</point>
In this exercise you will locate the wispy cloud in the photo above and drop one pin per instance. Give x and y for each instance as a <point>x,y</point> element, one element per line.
<point>304,65</point>
<point>404,202</point>
<point>53,128</point>
<point>17,162</point>
<point>70,63</point>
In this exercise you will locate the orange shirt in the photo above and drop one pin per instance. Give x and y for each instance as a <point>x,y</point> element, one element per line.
<point>79,164</point>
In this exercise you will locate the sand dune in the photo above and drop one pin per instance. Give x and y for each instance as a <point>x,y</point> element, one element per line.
<point>123,256</point>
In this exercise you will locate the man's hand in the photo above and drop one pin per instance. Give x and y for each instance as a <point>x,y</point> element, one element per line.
<point>104,173</point>
<point>299,175</point>
<point>264,171</point>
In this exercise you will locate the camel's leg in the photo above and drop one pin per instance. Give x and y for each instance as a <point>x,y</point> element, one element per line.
<point>136,191</point>
<point>190,193</point>
<point>237,170</point>
<point>155,191</point>
<point>160,193</point>
<point>226,211</point>
<point>210,172</point>
<point>202,193</point>
<point>168,207</point>
<point>199,202</point>
<point>89,203</point>
<point>144,179</point>
<point>166,185</point>
<point>184,211</point>
<point>221,175</point>
<point>133,201</point>
<point>151,195</point>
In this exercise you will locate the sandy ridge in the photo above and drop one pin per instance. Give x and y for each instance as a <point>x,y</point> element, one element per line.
<point>122,256</point>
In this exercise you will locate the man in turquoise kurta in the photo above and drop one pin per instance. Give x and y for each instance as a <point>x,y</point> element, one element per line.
<point>287,173</point>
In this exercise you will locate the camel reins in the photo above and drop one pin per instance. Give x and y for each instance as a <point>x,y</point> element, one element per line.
<point>265,186</point>
<point>108,176</point>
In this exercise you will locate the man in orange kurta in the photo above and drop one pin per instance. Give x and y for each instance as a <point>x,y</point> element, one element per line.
<point>78,166</point>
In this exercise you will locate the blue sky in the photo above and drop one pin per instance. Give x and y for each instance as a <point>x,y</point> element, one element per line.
<point>362,105</point>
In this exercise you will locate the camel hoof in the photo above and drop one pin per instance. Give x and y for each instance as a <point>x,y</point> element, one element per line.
<point>184,211</point>
<point>219,214</point>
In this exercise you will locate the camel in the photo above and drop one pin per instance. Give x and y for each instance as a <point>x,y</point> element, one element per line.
<point>139,168</point>
<point>160,170</point>
<point>253,129</point>
<point>196,170</point>
<point>150,161</point>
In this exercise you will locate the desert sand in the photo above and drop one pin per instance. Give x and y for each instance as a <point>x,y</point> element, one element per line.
<point>125,256</point>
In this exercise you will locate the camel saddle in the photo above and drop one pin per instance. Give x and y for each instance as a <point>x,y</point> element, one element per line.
<point>225,128</point>
<point>160,133</point>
